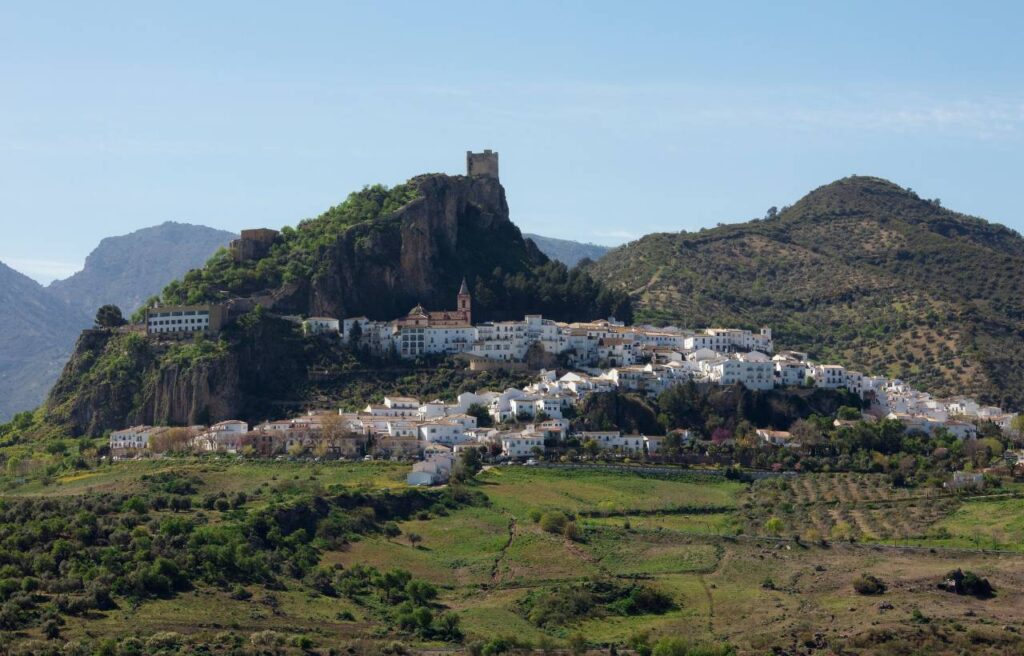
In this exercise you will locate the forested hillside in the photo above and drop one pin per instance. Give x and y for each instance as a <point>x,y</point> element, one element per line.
<point>860,271</point>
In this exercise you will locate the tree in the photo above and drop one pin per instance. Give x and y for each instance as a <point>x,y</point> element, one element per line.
<point>848,413</point>
<point>483,416</point>
<point>355,335</point>
<point>414,538</point>
<point>424,619</point>
<point>577,644</point>
<point>170,440</point>
<point>109,316</point>
<point>1018,424</point>
<point>449,627</point>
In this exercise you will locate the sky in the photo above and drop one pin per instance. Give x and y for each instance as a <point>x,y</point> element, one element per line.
<point>612,119</point>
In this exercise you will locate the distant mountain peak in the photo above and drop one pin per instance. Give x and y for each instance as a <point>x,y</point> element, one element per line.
<point>566,251</point>
<point>127,269</point>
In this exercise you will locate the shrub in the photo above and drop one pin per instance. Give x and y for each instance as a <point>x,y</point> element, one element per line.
<point>866,584</point>
<point>266,639</point>
<point>240,593</point>
<point>163,640</point>
<point>967,583</point>
<point>553,522</point>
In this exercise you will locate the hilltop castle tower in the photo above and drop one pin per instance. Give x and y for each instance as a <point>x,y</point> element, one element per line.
<point>484,164</point>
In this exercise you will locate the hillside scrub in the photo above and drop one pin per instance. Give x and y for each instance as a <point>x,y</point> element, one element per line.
<point>68,555</point>
<point>567,604</point>
<point>859,272</point>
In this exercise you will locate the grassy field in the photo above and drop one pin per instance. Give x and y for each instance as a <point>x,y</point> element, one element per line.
<point>222,474</point>
<point>676,535</point>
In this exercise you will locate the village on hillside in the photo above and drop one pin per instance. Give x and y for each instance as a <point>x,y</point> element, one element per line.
<point>524,424</point>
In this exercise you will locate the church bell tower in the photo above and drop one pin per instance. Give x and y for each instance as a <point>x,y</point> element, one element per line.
<point>465,302</point>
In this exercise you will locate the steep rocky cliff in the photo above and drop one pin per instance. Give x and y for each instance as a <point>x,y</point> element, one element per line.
<point>456,227</point>
<point>116,379</point>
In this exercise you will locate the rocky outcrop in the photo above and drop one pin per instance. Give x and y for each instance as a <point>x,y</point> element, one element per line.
<point>97,389</point>
<point>202,394</point>
<point>458,227</point>
<point>116,379</point>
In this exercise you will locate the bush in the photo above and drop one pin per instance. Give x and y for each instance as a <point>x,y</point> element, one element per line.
<point>553,522</point>
<point>866,584</point>
<point>240,593</point>
<point>967,583</point>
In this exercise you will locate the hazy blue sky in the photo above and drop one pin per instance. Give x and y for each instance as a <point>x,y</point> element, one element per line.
<point>612,119</point>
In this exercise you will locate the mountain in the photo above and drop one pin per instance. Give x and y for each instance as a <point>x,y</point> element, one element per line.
<point>566,251</point>
<point>378,254</point>
<point>128,269</point>
<point>41,324</point>
<point>36,333</point>
<point>861,272</point>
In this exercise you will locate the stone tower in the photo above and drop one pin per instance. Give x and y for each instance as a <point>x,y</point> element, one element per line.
<point>465,302</point>
<point>485,164</point>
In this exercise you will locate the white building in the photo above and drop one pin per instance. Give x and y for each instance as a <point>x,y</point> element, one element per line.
<point>723,340</point>
<point>136,437</point>
<point>753,372</point>
<point>443,432</point>
<point>829,376</point>
<point>521,445</point>
<point>321,326</point>
<point>436,469</point>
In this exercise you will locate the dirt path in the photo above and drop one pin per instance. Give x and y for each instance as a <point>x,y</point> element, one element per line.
<point>496,567</point>
<point>587,557</point>
<point>711,604</point>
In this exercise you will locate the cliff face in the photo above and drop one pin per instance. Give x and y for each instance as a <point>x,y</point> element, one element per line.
<point>458,227</point>
<point>116,379</point>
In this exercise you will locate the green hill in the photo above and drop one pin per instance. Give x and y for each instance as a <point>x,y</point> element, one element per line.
<point>861,272</point>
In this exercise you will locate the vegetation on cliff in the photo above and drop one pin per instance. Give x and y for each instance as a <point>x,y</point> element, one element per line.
<point>294,254</point>
<point>384,249</point>
<point>860,272</point>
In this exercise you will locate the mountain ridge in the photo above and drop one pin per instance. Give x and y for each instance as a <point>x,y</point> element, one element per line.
<point>122,270</point>
<point>567,251</point>
<point>860,271</point>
